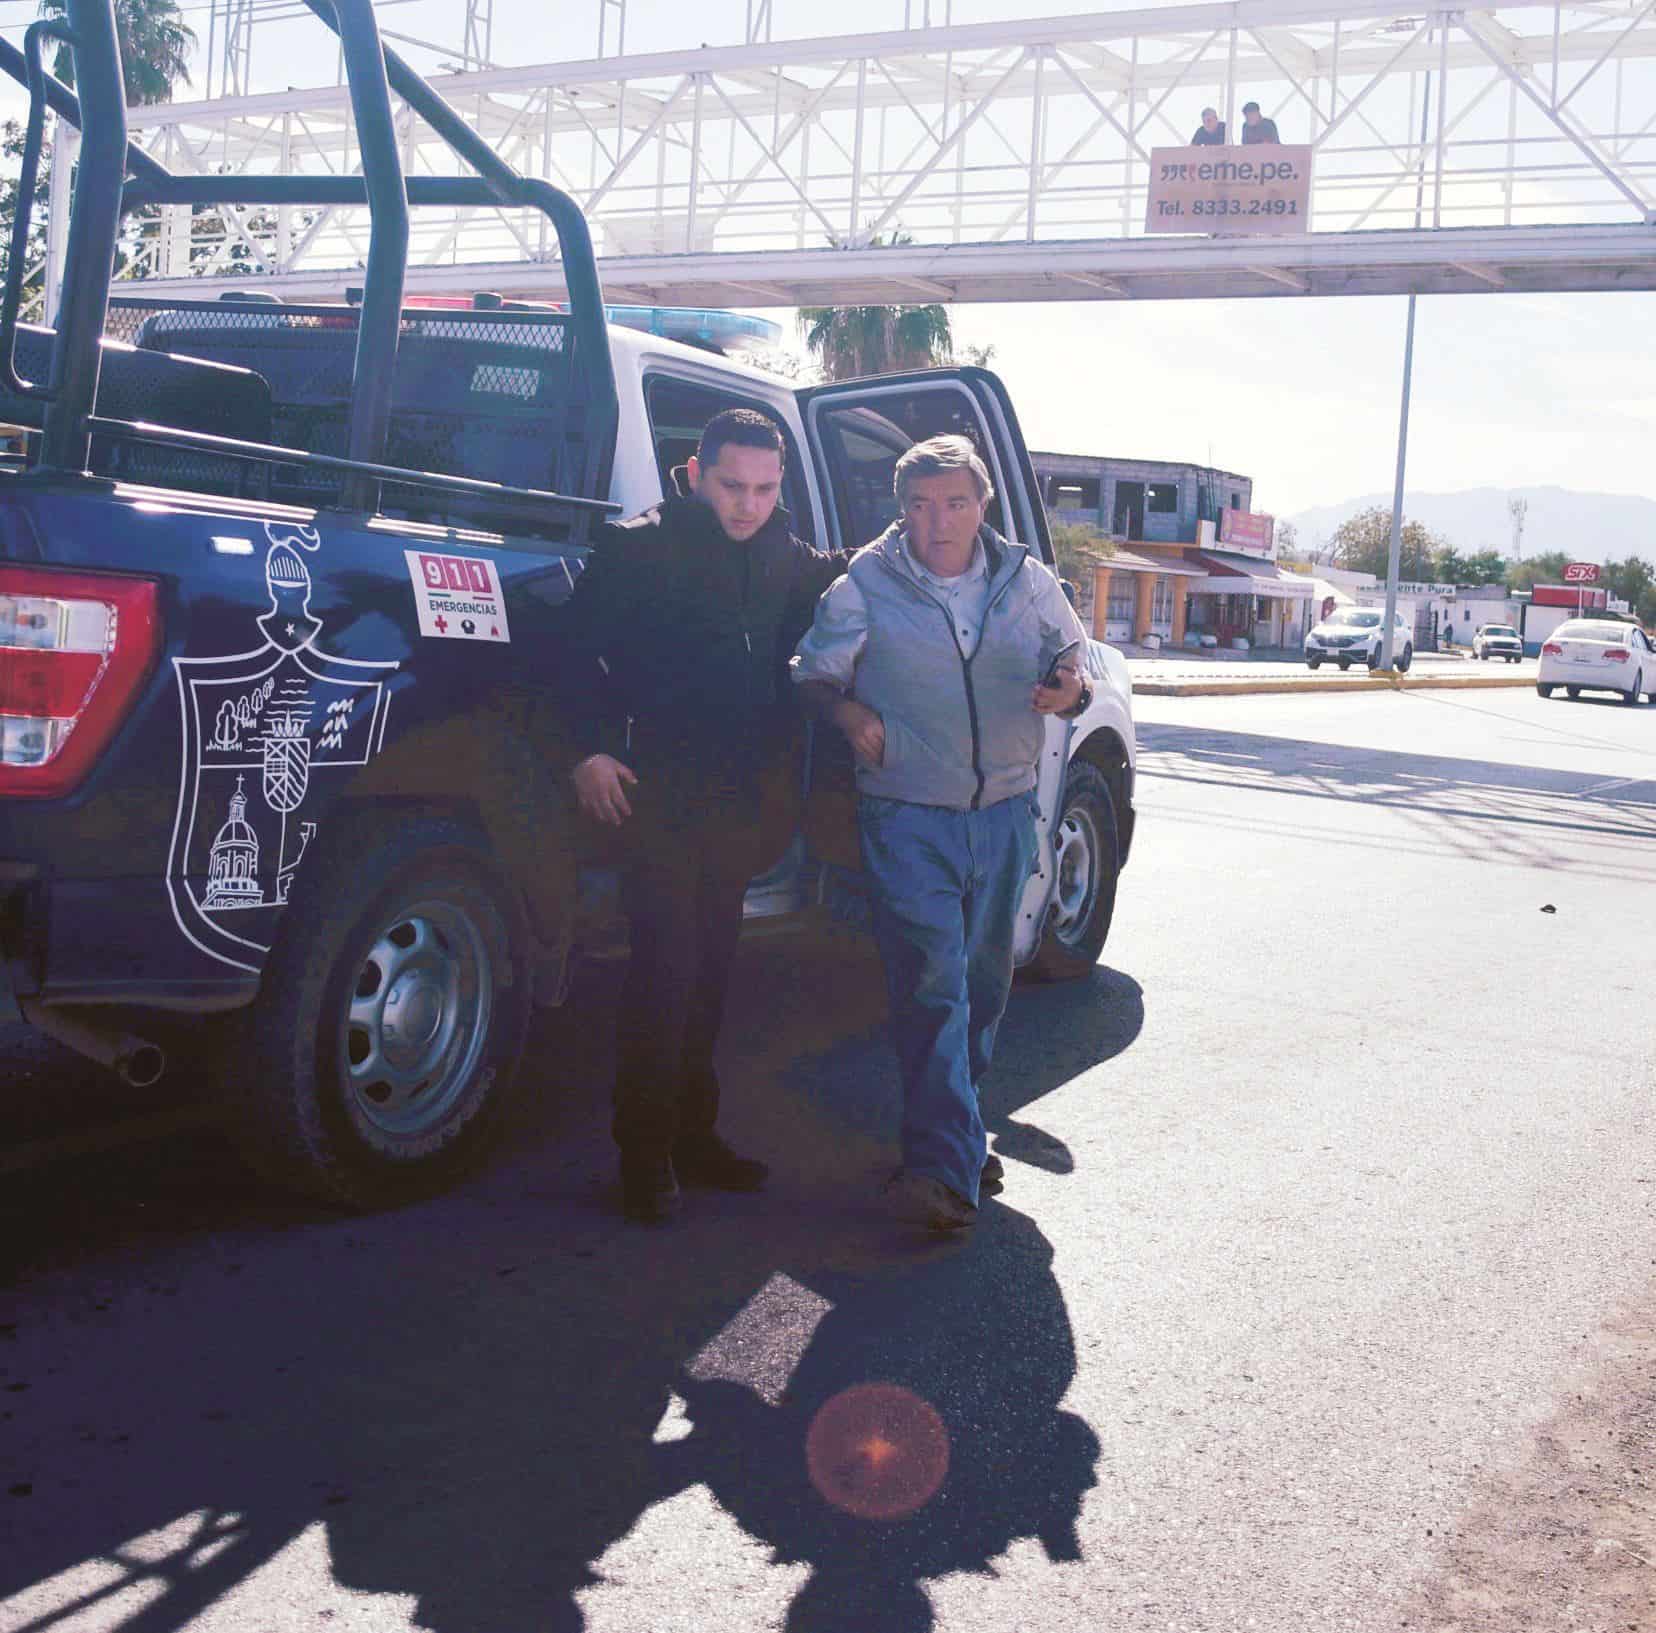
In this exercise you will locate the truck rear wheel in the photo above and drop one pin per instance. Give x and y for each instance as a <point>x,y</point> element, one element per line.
<point>1088,866</point>
<point>377,1064</point>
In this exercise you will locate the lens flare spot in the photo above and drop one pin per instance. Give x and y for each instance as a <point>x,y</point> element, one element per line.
<point>877,1451</point>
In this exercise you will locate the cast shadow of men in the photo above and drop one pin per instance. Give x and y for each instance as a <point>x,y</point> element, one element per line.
<point>920,1434</point>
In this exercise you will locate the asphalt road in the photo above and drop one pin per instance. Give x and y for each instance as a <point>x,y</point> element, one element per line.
<point>1318,1194</point>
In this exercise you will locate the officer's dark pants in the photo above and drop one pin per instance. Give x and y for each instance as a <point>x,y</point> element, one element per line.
<point>691,846</point>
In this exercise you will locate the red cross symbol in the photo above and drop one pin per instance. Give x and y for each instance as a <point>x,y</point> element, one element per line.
<point>442,624</point>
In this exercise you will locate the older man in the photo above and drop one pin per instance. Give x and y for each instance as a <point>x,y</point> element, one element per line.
<point>937,654</point>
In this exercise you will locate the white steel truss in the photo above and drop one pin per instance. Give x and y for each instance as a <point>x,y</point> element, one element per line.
<point>1508,147</point>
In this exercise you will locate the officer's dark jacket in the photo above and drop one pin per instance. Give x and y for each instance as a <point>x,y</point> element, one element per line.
<point>675,642</point>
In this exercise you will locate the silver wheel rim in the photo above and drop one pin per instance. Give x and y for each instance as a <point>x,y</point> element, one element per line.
<point>1075,862</point>
<point>417,1019</point>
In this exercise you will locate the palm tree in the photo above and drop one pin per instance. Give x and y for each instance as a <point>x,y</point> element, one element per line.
<point>155,47</point>
<point>850,341</point>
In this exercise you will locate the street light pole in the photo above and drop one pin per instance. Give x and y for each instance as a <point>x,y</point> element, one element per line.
<point>1394,555</point>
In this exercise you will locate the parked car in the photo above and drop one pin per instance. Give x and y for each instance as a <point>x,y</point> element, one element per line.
<point>1497,641</point>
<point>1598,655</point>
<point>1357,635</point>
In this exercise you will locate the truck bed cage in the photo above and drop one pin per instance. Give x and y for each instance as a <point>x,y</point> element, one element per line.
<point>588,411</point>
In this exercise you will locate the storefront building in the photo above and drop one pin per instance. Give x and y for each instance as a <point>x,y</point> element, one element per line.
<point>1193,562</point>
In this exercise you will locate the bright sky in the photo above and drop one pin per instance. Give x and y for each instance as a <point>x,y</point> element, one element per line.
<point>1302,395</point>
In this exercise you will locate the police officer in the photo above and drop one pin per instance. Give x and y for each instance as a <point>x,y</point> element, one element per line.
<point>680,623</point>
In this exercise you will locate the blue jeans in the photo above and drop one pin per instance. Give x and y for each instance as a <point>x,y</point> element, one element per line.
<point>946,886</point>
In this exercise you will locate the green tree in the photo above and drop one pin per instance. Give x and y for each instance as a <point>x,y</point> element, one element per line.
<point>11,151</point>
<point>155,46</point>
<point>1362,544</point>
<point>1633,579</point>
<point>1078,549</point>
<point>1543,569</point>
<point>849,342</point>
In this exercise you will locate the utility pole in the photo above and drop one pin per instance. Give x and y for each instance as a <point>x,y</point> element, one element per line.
<point>1394,554</point>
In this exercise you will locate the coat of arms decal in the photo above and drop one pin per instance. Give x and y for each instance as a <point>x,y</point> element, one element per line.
<point>262,730</point>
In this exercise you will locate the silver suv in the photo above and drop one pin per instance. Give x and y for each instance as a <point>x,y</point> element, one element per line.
<point>1357,635</point>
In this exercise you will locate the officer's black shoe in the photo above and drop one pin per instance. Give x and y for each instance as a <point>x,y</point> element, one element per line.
<point>649,1188</point>
<point>705,1159</point>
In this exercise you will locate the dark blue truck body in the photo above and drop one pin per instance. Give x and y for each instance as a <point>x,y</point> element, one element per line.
<point>110,887</point>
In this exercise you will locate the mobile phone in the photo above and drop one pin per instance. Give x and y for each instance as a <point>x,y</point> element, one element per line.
<point>1052,678</point>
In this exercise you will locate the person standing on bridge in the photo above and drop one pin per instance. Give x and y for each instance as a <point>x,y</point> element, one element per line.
<point>1256,127</point>
<point>937,655</point>
<point>1211,131</point>
<point>680,624</point>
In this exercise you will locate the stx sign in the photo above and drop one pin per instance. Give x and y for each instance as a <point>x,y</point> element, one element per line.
<point>1581,572</point>
<point>457,598</point>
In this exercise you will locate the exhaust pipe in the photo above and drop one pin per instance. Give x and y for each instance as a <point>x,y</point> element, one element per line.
<point>138,1063</point>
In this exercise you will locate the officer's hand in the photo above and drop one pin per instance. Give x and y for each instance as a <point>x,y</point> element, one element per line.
<point>864,730</point>
<point>1065,695</point>
<point>598,787</point>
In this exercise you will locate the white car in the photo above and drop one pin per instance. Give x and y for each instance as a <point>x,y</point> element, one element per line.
<point>1598,655</point>
<point>1497,641</point>
<point>1357,635</point>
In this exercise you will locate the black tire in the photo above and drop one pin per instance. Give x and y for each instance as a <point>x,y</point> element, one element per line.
<point>1313,663</point>
<point>1084,894</point>
<point>1344,663</point>
<point>394,885</point>
<point>1544,688</point>
<point>1572,691</point>
<point>1512,658</point>
<point>1638,687</point>
<point>1407,658</point>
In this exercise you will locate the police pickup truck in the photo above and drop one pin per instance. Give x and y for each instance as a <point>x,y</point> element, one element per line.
<point>275,586</point>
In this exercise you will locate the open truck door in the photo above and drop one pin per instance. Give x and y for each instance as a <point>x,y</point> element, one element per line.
<point>856,432</point>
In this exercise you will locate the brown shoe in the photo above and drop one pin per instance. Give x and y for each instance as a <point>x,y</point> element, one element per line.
<point>918,1199</point>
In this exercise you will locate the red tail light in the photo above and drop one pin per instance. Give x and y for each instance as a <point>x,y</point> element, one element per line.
<point>1617,654</point>
<point>1552,650</point>
<point>74,650</point>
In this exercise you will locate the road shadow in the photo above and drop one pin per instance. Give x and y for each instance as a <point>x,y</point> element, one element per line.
<point>1579,822</point>
<point>472,1404</point>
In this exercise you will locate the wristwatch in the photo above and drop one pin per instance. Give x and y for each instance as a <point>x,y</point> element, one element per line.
<point>1082,703</point>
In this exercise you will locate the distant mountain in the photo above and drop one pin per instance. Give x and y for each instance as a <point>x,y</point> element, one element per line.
<point>1586,526</point>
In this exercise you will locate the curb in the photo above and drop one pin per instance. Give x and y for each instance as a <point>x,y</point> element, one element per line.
<point>1377,682</point>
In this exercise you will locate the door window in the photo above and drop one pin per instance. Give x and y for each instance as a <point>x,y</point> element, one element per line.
<point>863,441</point>
<point>680,409</point>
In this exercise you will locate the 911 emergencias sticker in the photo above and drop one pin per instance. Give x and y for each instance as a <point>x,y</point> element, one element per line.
<point>458,598</point>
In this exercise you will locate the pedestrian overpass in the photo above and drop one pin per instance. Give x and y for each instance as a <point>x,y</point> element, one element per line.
<point>1507,147</point>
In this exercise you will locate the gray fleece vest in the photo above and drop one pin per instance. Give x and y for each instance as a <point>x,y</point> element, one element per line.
<point>959,727</point>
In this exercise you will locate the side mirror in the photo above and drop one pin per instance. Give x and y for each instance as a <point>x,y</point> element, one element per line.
<point>1070,590</point>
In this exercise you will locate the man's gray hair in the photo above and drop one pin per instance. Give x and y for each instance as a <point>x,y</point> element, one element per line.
<point>936,455</point>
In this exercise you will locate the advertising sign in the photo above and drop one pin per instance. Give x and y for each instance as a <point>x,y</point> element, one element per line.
<point>1249,532</point>
<point>1263,188</point>
<point>1582,572</point>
